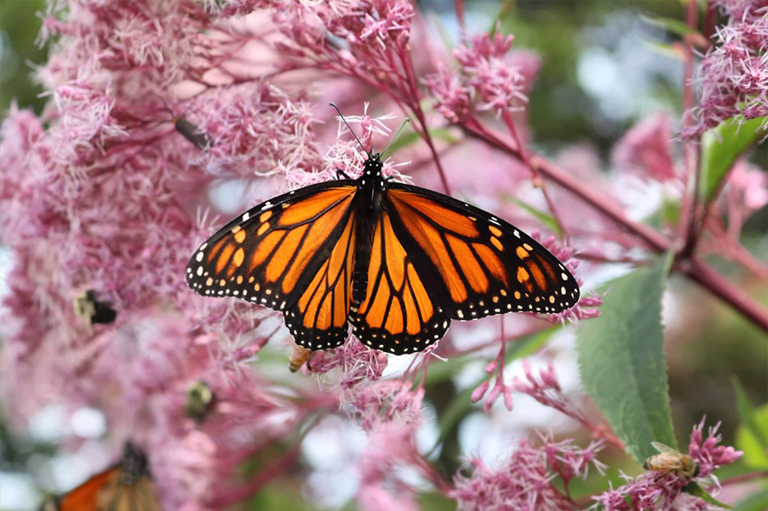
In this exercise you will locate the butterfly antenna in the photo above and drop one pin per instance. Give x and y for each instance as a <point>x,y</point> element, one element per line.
<point>348,127</point>
<point>406,121</point>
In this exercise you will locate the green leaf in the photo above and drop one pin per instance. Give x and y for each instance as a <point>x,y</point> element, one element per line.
<point>722,145</point>
<point>410,137</point>
<point>672,25</point>
<point>621,360</point>
<point>755,455</point>
<point>697,491</point>
<point>504,11</point>
<point>664,49</point>
<point>756,502</point>
<point>548,220</point>
<point>748,416</point>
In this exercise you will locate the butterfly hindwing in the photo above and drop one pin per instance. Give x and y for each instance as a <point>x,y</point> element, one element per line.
<point>476,264</point>
<point>269,254</point>
<point>397,314</point>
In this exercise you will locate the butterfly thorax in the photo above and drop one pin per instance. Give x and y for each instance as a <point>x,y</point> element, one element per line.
<point>372,185</point>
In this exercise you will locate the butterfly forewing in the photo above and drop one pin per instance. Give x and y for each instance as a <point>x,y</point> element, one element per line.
<point>270,254</point>
<point>398,314</point>
<point>318,320</point>
<point>478,265</point>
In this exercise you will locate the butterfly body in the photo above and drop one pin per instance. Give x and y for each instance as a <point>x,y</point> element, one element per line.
<point>395,261</point>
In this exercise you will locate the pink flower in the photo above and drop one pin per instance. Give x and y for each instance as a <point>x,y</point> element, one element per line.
<point>646,150</point>
<point>487,77</point>
<point>546,390</point>
<point>708,455</point>
<point>524,480</point>
<point>390,449</point>
<point>357,363</point>
<point>387,402</point>
<point>452,98</point>
<point>654,493</point>
<point>733,76</point>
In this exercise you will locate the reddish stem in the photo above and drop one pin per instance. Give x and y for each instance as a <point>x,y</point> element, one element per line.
<point>696,269</point>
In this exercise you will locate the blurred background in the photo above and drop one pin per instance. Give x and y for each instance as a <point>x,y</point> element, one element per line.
<point>603,69</point>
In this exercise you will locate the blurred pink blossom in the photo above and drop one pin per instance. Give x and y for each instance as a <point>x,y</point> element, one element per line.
<point>646,150</point>
<point>524,481</point>
<point>387,402</point>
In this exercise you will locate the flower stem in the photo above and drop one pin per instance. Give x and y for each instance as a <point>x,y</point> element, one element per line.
<point>696,269</point>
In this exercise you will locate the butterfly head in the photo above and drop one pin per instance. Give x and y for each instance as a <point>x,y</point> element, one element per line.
<point>373,164</point>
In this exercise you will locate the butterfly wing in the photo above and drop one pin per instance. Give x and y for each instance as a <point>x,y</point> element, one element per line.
<point>109,491</point>
<point>398,313</point>
<point>293,253</point>
<point>475,264</point>
<point>318,320</point>
<point>87,496</point>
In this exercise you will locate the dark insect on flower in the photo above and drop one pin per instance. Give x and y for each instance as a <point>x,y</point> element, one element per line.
<point>199,401</point>
<point>396,261</point>
<point>192,133</point>
<point>669,461</point>
<point>88,305</point>
<point>299,356</point>
<point>127,486</point>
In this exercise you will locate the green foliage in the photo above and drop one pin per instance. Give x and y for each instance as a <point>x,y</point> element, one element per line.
<point>749,418</point>
<point>749,438</point>
<point>409,137</point>
<point>756,502</point>
<point>696,490</point>
<point>279,495</point>
<point>672,25</point>
<point>549,221</point>
<point>19,25</point>
<point>721,146</point>
<point>622,364</point>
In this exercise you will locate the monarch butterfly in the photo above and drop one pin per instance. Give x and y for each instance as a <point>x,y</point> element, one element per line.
<point>126,486</point>
<point>396,261</point>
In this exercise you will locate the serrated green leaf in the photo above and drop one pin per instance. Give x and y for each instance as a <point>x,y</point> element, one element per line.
<point>672,25</point>
<point>548,220</point>
<point>748,416</point>
<point>697,491</point>
<point>722,145</point>
<point>622,364</point>
<point>756,502</point>
<point>755,455</point>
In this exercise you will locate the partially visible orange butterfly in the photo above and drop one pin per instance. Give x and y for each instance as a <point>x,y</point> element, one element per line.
<point>127,486</point>
<point>396,261</point>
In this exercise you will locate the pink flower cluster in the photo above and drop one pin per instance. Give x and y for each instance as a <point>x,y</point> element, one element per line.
<point>651,492</point>
<point>525,480</point>
<point>487,79</point>
<point>733,76</point>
